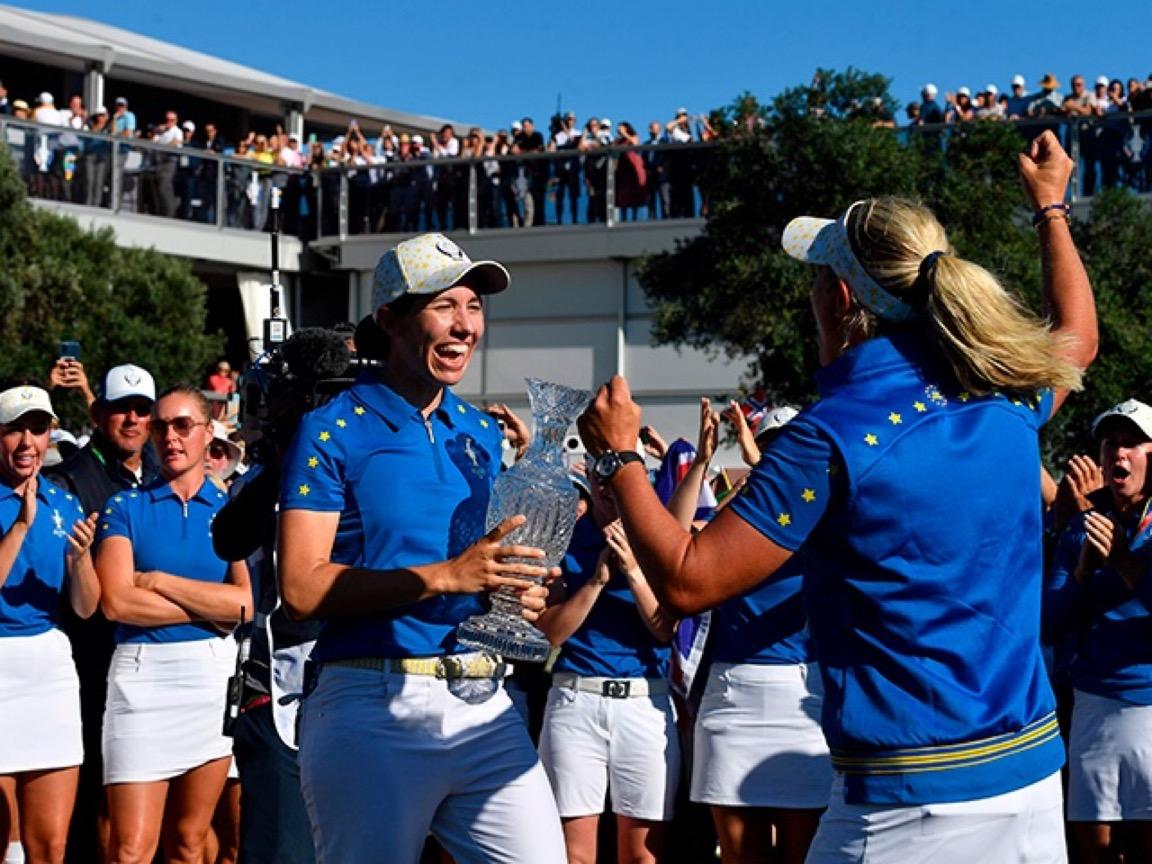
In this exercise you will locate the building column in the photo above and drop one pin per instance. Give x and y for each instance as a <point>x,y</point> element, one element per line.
<point>93,87</point>
<point>294,124</point>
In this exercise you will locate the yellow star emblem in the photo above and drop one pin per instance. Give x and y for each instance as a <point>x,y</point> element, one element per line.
<point>304,489</point>
<point>920,407</point>
<point>483,423</point>
<point>104,527</point>
<point>895,419</point>
<point>108,512</point>
<point>341,422</point>
<point>964,396</point>
<point>325,435</point>
<point>871,440</point>
<point>809,495</point>
<point>358,410</point>
<point>313,461</point>
<point>461,409</point>
<point>784,519</point>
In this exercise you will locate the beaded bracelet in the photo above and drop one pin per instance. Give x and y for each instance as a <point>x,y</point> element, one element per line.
<point>1041,215</point>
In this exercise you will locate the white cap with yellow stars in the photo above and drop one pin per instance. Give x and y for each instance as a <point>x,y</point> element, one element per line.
<point>429,264</point>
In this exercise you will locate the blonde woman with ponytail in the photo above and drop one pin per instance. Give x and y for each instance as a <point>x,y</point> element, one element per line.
<point>912,489</point>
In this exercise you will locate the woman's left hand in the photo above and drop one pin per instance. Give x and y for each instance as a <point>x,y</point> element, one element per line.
<point>534,599</point>
<point>82,536</point>
<point>621,550</point>
<point>612,421</point>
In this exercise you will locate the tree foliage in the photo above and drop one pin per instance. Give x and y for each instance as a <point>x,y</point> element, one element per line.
<point>813,151</point>
<point>61,282</point>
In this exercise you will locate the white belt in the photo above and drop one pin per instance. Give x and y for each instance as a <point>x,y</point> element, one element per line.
<point>612,688</point>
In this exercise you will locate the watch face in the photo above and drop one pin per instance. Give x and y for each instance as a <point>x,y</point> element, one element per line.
<point>607,465</point>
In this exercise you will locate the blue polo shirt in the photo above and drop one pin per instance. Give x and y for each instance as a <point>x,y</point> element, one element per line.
<point>171,536</point>
<point>30,595</point>
<point>409,491</point>
<point>765,626</point>
<point>917,508</point>
<point>613,641</point>
<point>1104,626</point>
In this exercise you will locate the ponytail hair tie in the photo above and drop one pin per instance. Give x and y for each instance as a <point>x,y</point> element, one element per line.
<point>922,287</point>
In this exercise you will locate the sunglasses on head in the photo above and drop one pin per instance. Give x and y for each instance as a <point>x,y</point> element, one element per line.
<point>182,425</point>
<point>37,426</point>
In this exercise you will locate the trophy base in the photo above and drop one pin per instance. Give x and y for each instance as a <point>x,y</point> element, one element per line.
<point>510,636</point>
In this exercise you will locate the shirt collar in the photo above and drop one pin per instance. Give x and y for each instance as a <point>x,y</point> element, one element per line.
<point>891,349</point>
<point>160,489</point>
<point>394,408</point>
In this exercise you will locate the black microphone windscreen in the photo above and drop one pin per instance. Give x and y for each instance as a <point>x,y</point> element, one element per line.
<point>314,353</point>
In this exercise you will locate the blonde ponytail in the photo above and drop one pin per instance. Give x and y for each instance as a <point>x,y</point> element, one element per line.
<point>990,339</point>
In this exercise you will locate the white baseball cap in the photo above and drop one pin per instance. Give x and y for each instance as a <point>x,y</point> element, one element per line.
<point>1132,410</point>
<point>127,380</point>
<point>429,264</point>
<point>15,402</point>
<point>1018,81</point>
<point>1102,81</point>
<point>963,91</point>
<point>992,88</point>
<point>930,89</point>
<point>774,419</point>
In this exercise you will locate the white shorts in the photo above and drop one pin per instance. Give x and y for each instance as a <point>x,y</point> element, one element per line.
<point>165,708</point>
<point>1109,760</point>
<point>39,704</point>
<point>757,741</point>
<point>386,757</point>
<point>1025,826</point>
<point>591,744</point>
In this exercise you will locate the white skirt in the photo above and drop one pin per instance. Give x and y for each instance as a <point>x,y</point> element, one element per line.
<point>1109,760</point>
<point>39,704</point>
<point>758,741</point>
<point>165,708</point>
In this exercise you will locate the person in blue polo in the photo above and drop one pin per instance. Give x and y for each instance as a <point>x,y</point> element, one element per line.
<point>609,723</point>
<point>166,759</point>
<point>912,490</point>
<point>382,535</point>
<point>1098,603</point>
<point>44,560</point>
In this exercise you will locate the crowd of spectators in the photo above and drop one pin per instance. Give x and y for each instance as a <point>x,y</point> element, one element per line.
<point>1111,122</point>
<point>514,186</point>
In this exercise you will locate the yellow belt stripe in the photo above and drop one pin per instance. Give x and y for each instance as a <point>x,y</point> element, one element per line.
<point>957,767</point>
<point>953,755</point>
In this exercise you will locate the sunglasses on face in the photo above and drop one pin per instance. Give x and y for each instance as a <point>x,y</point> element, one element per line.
<point>217,451</point>
<point>36,427</point>
<point>139,407</point>
<point>182,425</point>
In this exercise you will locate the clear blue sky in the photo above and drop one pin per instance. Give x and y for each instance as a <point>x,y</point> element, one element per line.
<point>490,61</point>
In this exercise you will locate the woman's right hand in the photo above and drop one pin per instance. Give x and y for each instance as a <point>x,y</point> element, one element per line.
<point>1045,169</point>
<point>485,565</point>
<point>27,514</point>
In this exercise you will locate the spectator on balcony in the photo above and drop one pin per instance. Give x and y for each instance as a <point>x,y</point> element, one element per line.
<point>423,186</point>
<point>595,171</point>
<point>508,171</point>
<point>97,158</point>
<point>655,167</point>
<point>45,182</point>
<point>535,170</point>
<point>960,108</point>
<point>681,167</point>
<point>5,105</point>
<point>123,120</point>
<point>1081,107</point>
<point>1049,100</point>
<point>988,106</point>
<point>170,134</point>
<point>1017,103</point>
<point>631,176</point>
<point>566,138</point>
<point>931,113</point>
<point>446,146</point>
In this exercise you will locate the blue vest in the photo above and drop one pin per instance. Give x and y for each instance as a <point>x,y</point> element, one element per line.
<point>924,579</point>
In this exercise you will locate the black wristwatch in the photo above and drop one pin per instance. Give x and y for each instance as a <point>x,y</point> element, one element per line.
<point>611,461</point>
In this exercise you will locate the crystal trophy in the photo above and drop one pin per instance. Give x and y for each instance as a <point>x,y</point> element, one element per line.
<point>537,486</point>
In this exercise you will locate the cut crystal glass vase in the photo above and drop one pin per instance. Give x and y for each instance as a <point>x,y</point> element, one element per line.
<point>537,486</point>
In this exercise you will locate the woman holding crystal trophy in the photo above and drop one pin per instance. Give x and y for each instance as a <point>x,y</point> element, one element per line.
<point>405,730</point>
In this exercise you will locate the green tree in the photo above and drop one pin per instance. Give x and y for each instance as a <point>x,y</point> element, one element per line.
<point>60,282</point>
<point>814,150</point>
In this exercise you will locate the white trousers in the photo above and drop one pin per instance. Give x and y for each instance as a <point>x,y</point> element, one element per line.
<point>1025,826</point>
<point>386,758</point>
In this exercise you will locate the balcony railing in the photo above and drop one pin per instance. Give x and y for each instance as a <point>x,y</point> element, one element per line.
<point>608,186</point>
